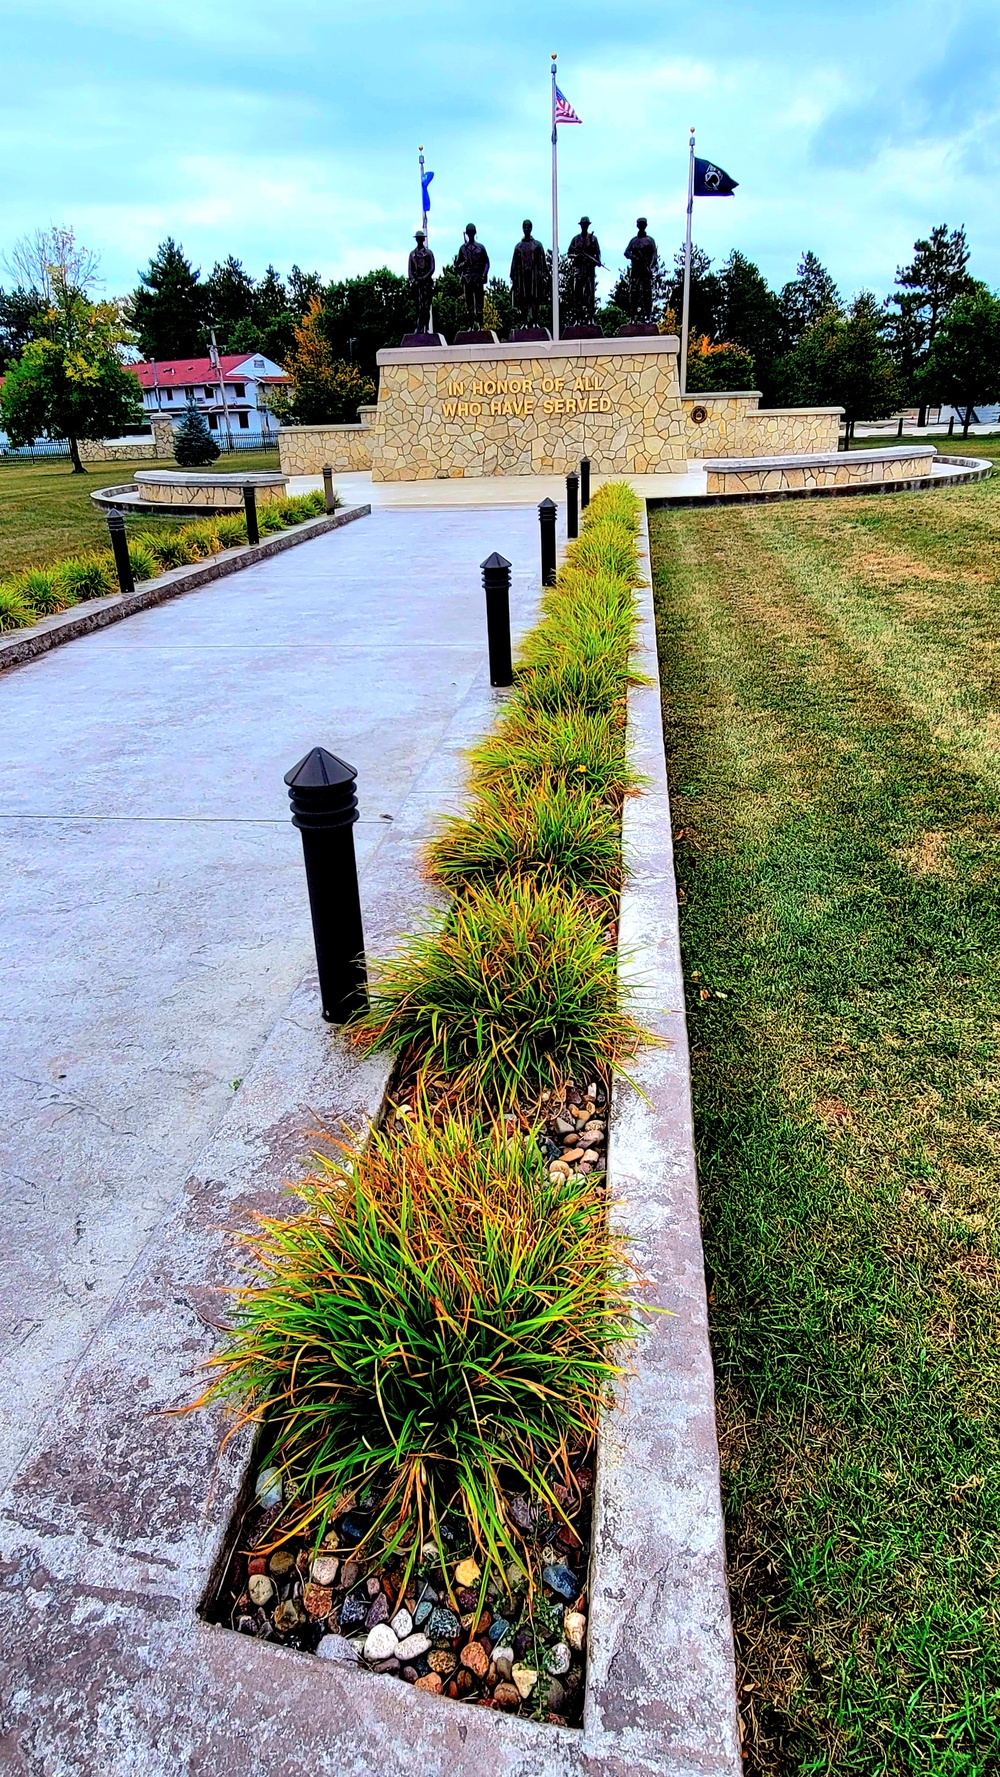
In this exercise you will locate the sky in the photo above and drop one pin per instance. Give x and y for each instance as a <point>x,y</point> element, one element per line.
<point>287,130</point>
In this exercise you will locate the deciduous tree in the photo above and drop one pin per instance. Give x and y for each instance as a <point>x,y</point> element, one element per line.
<point>963,364</point>
<point>842,361</point>
<point>70,382</point>
<point>325,390</point>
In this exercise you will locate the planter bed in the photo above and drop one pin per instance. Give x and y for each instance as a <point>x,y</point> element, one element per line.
<point>516,1642</point>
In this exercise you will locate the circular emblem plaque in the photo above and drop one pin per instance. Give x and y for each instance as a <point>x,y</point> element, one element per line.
<point>699,415</point>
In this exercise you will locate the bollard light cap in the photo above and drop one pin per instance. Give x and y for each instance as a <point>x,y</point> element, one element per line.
<point>495,561</point>
<point>546,505</point>
<point>320,770</point>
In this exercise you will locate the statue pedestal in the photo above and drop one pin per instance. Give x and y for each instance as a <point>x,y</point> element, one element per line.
<point>638,330</point>
<point>582,330</point>
<point>476,336</point>
<point>529,407</point>
<point>527,335</point>
<point>419,341</point>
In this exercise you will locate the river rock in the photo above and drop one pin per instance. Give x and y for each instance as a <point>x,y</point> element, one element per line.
<point>442,1624</point>
<point>268,1488</point>
<point>562,1580</point>
<point>575,1628</point>
<point>378,1611</point>
<point>318,1600</point>
<point>413,1646</point>
<point>324,1570</point>
<point>281,1563</point>
<point>380,1643</point>
<point>475,1658</point>
<point>402,1624</point>
<point>467,1572</point>
<point>526,1678</point>
<point>506,1695</point>
<point>557,1660</point>
<point>431,1681</point>
<point>353,1612</point>
<point>261,1589</point>
<point>442,1661</point>
<point>337,1647</point>
<point>503,1660</point>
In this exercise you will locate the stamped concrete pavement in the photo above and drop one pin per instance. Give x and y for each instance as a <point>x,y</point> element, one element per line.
<point>155,915</point>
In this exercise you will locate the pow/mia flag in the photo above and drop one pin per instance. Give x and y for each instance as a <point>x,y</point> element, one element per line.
<point>711,181</point>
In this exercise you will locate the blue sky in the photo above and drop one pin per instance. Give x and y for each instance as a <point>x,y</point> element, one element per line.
<point>288,131</point>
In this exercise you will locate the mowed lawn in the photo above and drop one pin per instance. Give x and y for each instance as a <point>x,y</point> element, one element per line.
<point>46,511</point>
<point>831,688</point>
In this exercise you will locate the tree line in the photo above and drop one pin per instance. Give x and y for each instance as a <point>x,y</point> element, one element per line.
<point>935,338</point>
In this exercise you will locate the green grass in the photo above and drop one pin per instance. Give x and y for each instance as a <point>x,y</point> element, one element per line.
<point>46,511</point>
<point>547,828</point>
<point>830,685</point>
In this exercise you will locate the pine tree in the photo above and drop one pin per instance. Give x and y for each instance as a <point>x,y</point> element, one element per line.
<point>168,310</point>
<point>231,296</point>
<point>807,296</point>
<point>750,316</point>
<point>926,289</point>
<point>194,445</point>
<point>706,293</point>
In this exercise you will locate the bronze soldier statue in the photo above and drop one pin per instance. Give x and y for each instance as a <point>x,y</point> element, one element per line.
<point>643,258</point>
<point>529,279</point>
<point>473,269</point>
<point>420,272</point>
<point>585,257</point>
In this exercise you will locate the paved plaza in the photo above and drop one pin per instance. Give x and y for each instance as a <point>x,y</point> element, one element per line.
<point>156,919</point>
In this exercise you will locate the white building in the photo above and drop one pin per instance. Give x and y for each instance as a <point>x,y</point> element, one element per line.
<point>167,385</point>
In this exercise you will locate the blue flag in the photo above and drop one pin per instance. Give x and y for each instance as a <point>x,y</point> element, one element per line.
<point>711,181</point>
<point>425,179</point>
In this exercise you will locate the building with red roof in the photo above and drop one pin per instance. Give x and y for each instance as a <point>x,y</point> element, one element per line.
<point>168,384</point>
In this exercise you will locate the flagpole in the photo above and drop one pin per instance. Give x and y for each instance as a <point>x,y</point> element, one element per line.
<point>424,213</point>
<point>686,309</point>
<point>555,210</point>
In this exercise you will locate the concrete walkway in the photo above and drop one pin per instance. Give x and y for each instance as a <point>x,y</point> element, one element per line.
<point>156,921</point>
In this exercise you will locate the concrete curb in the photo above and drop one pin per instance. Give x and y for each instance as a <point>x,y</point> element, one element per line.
<point>971,469</point>
<point>27,644</point>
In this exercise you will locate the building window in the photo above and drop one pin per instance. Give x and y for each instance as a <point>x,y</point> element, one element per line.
<point>244,421</point>
<point>258,363</point>
<point>207,394</point>
<point>212,422</point>
<point>241,390</point>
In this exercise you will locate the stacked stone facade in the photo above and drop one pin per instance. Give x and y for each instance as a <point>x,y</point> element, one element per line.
<point>536,410</point>
<point>120,450</point>
<point>529,410</point>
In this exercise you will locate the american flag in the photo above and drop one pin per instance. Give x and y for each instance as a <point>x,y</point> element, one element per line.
<point>564,110</point>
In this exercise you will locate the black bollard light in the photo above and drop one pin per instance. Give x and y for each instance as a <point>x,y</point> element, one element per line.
<point>951,427</point>
<point>584,483</point>
<point>572,505</point>
<point>250,503</point>
<point>119,549</point>
<point>496,585</point>
<point>547,533</point>
<point>899,430</point>
<point>328,494</point>
<point>325,808</point>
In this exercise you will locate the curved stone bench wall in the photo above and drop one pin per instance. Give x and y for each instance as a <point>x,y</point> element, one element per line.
<point>166,487</point>
<point>854,468</point>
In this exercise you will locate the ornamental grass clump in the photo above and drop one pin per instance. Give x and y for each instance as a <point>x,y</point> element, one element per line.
<point>547,829</point>
<point>440,1319</point>
<point>15,611</point>
<point>89,577</point>
<point>585,749</point>
<point>509,993</point>
<point>42,592</point>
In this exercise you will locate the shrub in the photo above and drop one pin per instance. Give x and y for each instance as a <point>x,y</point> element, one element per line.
<point>144,562</point>
<point>42,591</point>
<point>202,538</point>
<point>231,531</point>
<point>88,577</point>
<point>548,829</point>
<point>586,749</point>
<point>170,549</point>
<point>15,612</point>
<point>441,1314</point>
<point>512,991</point>
<point>269,519</point>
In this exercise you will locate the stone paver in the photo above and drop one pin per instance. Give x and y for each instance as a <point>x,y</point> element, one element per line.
<point>156,921</point>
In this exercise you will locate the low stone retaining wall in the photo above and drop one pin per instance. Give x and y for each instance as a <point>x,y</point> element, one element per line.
<point>827,469</point>
<point>303,450</point>
<point>735,425</point>
<point>118,450</point>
